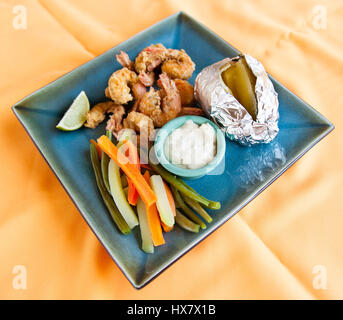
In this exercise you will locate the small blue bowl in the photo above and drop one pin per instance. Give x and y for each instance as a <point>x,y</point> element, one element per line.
<point>168,128</point>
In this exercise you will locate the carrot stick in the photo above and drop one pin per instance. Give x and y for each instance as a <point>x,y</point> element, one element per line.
<point>154,220</point>
<point>170,198</point>
<point>130,169</point>
<point>132,193</point>
<point>132,154</point>
<point>166,228</point>
<point>155,225</point>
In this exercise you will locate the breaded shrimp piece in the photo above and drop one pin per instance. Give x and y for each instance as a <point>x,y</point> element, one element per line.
<point>148,60</point>
<point>162,105</point>
<point>139,122</point>
<point>114,123</point>
<point>119,85</point>
<point>107,93</point>
<point>178,64</point>
<point>186,91</point>
<point>124,60</point>
<point>171,102</point>
<point>150,101</point>
<point>138,91</point>
<point>98,113</point>
<point>147,78</point>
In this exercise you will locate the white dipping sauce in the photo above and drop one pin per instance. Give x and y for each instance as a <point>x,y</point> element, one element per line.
<point>191,146</point>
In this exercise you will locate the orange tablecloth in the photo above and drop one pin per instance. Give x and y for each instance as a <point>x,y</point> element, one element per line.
<point>285,244</point>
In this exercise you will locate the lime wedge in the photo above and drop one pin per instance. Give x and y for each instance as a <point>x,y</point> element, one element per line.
<point>75,116</point>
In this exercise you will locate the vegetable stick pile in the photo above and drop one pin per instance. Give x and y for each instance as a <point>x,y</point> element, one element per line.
<point>155,200</point>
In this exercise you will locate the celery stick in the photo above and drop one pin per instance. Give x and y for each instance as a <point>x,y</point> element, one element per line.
<point>174,181</point>
<point>163,206</point>
<point>117,218</point>
<point>105,159</point>
<point>147,244</point>
<point>118,195</point>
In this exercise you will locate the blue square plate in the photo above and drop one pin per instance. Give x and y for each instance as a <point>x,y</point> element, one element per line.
<point>246,173</point>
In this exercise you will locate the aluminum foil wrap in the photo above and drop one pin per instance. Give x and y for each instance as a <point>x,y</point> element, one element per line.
<point>229,114</point>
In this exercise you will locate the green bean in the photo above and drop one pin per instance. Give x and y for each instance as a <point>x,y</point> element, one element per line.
<point>197,208</point>
<point>184,223</point>
<point>175,182</point>
<point>123,181</point>
<point>187,211</point>
<point>105,159</point>
<point>214,205</point>
<point>118,219</point>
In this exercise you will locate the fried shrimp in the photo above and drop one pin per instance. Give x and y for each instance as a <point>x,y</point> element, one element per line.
<point>114,123</point>
<point>186,91</point>
<point>178,64</point>
<point>119,85</point>
<point>107,93</point>
<point>98,113</point>
<point>152,108</point>
<point>163,105</point>
<point>139,122</point>
<point>171,102</point>
<point>150,58</point>
<point>147,78</point>
<point>138,91</point>
<point>124,60</point>
<point>150,101</point>
<point>147,60</point>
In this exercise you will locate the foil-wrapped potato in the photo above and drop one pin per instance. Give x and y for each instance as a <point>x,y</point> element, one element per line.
<point>239,96</point>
